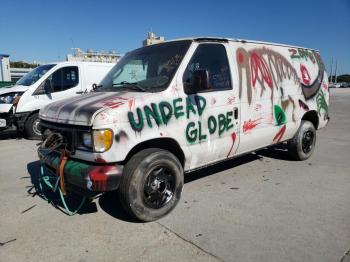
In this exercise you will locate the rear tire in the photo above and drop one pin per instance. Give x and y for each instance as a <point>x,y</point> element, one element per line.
<point>151,185</point>
<point>302,145</point>
<point>31,127</point>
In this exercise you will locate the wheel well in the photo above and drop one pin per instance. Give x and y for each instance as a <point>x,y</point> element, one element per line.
<point>312,117</point>
<point>32,113</point>
<point>21,119</point>
<point>168,144</point>
<point>29,115</point>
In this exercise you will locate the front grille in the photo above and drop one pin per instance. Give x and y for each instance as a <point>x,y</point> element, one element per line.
<point>70,133</point>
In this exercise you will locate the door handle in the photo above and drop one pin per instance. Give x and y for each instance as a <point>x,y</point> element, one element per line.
<point>79,92</point>
<point>235,112</point>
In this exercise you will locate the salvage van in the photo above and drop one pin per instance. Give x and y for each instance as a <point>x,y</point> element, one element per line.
<point>21,103</point>
<point>170,108</point>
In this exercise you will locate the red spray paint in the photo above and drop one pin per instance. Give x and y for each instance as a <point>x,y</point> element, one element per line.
<point>99,177</point>
<point>233,136</point>
<point>257,64</point>
<point>279,134</point>
<point>250,124</point>
<point>305,75</point>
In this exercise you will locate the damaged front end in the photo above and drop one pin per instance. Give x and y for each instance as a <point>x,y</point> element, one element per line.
<point>80,176</point>
<point>6,119</point>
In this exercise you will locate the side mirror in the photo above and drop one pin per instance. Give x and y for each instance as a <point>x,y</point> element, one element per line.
<point>48,86</point>
<point>199,81</point>
<point>44,88</point>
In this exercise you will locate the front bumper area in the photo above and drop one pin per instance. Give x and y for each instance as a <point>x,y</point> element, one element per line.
<point>20,119</point>
<point>83,176</point>
<point>6,120</point>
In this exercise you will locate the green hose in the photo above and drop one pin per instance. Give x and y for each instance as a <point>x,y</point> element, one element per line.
<point>52,181</point>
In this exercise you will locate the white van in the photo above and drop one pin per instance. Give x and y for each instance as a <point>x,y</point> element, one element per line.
<point>21,103</point>
<point>170,108</point>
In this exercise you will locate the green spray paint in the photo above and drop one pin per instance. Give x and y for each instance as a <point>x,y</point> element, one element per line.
<point>189,107</point>
<point>201,103</point>
<point>194,131</point>
<point>222,123</point>
<point>321,103</point>
<point>152,112</point>
<point>212,124</point>
<point>166,111</point>
<point>136,126</point>
<point>280,116</point>
<point>161,114</point>
<point>178,108</point>
<point>191,133</point>
<point>229,123</point>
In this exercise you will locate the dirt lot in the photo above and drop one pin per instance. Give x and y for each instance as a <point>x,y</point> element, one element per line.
<point>260,207</point>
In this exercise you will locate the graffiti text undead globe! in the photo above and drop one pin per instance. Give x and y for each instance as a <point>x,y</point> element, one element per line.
<point>163,112</point>
<point>220,124</point>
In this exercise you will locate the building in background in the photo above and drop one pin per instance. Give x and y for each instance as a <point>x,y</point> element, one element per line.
<point>5,68</point>
<point>91,56</point>
<point>152,39</point>
<point>17,73</point>
<point>21,68</point>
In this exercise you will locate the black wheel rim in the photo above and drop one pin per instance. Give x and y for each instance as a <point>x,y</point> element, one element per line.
<point>159,187</point>
<point>307,141</point>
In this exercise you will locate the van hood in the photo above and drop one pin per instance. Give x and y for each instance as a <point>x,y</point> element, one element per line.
<point>81,110</point>
<point>16,88</point>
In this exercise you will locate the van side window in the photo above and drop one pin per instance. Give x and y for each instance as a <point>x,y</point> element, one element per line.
<point>64,78</point>
<point>213,58</point>
<point>70,77</point>
<point>56,80</point>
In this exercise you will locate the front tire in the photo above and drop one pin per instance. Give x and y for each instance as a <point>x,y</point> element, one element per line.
<point>302,145</point>
<point>151,185</point>
<point>31,127</point>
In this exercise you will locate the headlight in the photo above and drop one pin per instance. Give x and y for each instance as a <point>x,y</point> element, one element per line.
<point>10,98</point>
<point>103,140</point>
<point>87,140</point>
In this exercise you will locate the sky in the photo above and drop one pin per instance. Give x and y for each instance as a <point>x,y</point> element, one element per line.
<point>47,30</point>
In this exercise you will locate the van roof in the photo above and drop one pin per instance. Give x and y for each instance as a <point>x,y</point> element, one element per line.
<point>224,39</point>
<point>80,62</point>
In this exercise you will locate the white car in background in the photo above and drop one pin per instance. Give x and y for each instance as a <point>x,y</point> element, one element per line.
<point>20,104</point>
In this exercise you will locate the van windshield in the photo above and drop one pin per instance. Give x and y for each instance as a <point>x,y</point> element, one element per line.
<point>34,75</point>
<point>147,69</point>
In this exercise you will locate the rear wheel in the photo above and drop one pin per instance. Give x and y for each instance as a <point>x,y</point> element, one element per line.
<point>151,185</point>
<point>302,145</point>
<point>31,127</point>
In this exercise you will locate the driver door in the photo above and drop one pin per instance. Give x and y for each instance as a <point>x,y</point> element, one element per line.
<point>65,82</point>
<point>213,132</point>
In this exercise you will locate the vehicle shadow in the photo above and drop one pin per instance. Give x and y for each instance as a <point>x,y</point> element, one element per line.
<point>219,167</point>
<point>72,201</point>
<point>279,151</point>
<point>10,134</point>
<point>109,202</point>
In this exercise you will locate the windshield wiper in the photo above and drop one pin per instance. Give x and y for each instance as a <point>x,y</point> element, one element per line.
<point>131,85</point>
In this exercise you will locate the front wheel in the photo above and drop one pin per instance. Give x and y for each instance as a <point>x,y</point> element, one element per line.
<point>31,127</point>
<point>151,185</point>
<point>302,145</point>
